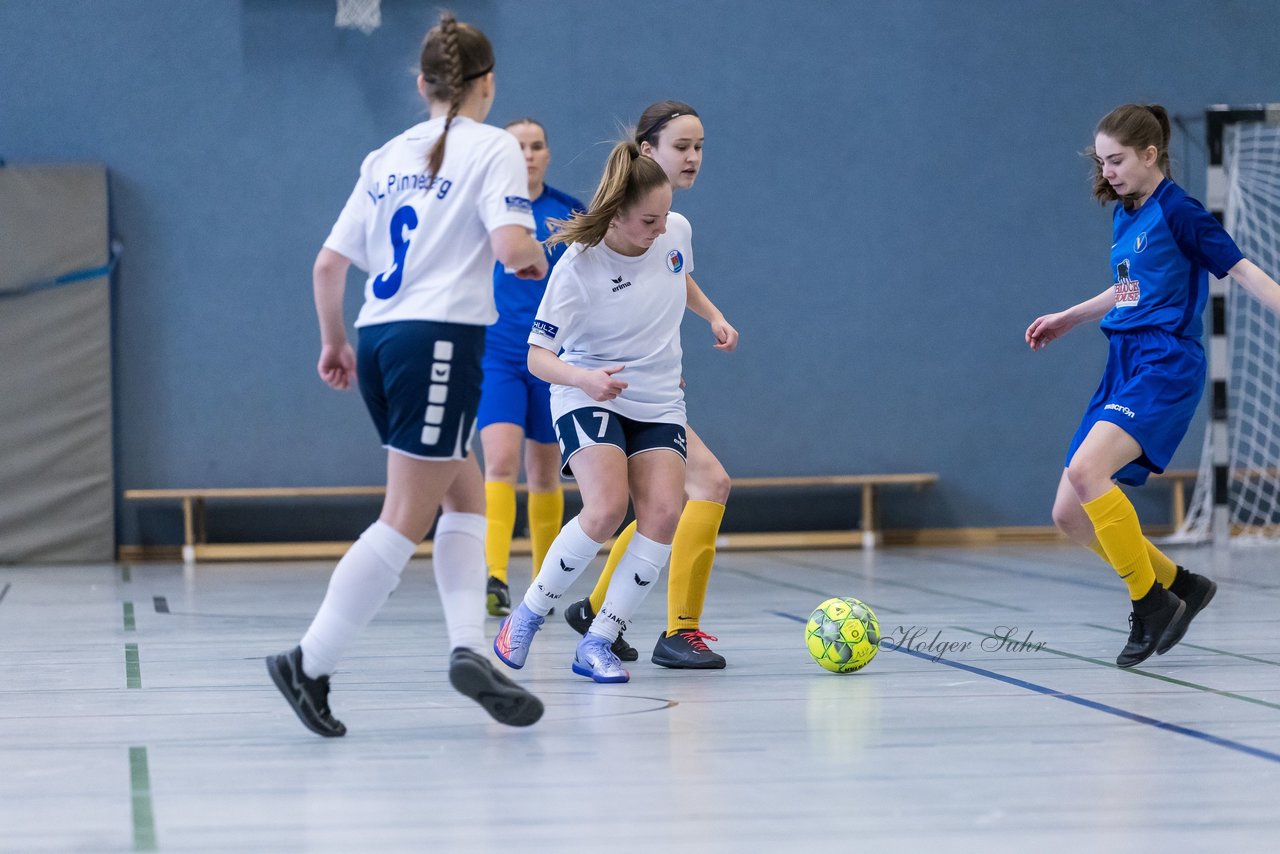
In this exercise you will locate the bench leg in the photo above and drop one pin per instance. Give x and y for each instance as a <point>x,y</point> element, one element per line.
<point>870,536</point>
<point>188,532</point>
<point>1179,504</point>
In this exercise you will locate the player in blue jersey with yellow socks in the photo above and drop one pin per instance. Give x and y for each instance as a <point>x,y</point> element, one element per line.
<point>515,406</point>
<point>1164,245</point>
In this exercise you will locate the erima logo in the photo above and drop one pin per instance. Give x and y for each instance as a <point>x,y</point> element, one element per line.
<point>566,567</point>
<point>548,330</point>
<point>641,583</point>
<point>680,440</point>
<point>1123,410</point>
<point>618,284</point>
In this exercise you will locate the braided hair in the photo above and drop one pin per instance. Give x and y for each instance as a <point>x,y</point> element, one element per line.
<point>454,55</point>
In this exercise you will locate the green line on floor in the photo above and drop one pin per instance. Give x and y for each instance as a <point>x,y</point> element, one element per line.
<point>144,823</point>
<point>125,574</point>
<point>132,668</point>
<point>128,617</point>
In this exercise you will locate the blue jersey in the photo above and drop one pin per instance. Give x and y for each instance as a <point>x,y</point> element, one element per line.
<point>518,299</point>
<point>1161,257</point>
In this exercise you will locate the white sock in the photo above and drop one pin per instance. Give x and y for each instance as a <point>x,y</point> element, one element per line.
<point>360,584</point>
<point>461,575</point>
<point>568,556</point>
<point>632,580</point>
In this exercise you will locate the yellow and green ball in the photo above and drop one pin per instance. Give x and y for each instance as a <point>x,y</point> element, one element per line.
<point>842,635</point>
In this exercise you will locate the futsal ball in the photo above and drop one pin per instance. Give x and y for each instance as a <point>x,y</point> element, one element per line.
<point>842,635</point>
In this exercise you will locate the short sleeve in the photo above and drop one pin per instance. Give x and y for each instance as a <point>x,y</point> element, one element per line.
<point>563,305</point>
<point>504,191</point>
<point>1201,238</point>
<point>348,235</point>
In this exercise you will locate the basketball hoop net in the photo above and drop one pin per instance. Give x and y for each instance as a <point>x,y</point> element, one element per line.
<point>362,15</point>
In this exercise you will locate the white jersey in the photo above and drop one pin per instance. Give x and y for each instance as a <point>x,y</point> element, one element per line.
<point>426,244</point>
<point>607,309</point>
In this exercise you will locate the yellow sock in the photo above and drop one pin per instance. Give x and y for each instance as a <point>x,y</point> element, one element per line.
<point>1164,567</point>
<point>615,555</point>
<point>693,551</point>
<point>1115,523</point>
<point>500,516</point>
<point>546,515</point>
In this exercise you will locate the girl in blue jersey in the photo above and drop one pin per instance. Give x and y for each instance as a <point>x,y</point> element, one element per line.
<point>515,406</point>
<point>432,209</point>
<point>1164,245</point>
<point>671,133</point>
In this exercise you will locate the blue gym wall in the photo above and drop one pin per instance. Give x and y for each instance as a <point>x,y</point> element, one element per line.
<point>892,191</point>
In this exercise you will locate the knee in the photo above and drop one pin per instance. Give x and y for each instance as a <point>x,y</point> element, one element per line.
<point>709,482</point>
<point>501,465</point>
<point>1085,476</point>
<point>602,519</point>
<point>658,521</point>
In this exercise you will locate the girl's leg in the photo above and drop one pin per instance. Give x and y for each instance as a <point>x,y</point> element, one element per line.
<point>1159,618</point>
<point>501,443</point>
<point>546,497</point>
<point>371,568</point>
<point>657,484</point>
<point>601,471</point>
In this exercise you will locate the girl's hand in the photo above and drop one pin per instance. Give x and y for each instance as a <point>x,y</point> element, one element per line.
<point>601,385</point>
<point>726,335</point>
<point>337,366</point>
<point>1046,328</point>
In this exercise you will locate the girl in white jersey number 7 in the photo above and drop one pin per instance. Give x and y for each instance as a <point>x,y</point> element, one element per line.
<point>432,209</point>
<point>614,305</point>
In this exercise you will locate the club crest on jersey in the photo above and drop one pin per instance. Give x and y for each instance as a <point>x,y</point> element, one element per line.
<point>548,330</point>
<point>1141,243</point>
<point>1127,291</point>
<point>675,261</point>
<point>519,204</point>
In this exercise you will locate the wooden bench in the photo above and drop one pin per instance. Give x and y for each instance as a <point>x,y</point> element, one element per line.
<point>196,545</point>
<point>1178,496</point>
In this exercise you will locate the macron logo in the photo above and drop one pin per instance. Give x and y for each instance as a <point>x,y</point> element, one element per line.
<point>1123,410</point>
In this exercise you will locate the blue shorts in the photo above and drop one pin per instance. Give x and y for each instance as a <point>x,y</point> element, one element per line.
<point>595,425</point>
<point>421,382</point>
<point>512,395</point>
<point>1150,389</point>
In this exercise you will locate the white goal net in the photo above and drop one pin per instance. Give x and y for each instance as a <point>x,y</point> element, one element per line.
<point>1252,164</point>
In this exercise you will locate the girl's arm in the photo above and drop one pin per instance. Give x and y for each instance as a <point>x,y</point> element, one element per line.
<point>1049,327</point>
<point>1252,278</point>
<point>599,384</point>
<point>337,365</point>
<point>516,249</point>
<point>700,304</point>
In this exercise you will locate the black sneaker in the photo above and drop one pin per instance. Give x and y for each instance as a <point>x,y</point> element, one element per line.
<point>1197,591</point>
<point>687,650</point>
<point>308,697</point>
<point>506,702</point>
<point>498,597</point>
<point>1156,617</point>
<point>579,616</point>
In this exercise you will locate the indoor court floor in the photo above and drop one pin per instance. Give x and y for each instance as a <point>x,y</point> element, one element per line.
<point>137,715</point>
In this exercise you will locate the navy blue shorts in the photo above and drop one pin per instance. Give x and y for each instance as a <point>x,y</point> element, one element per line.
<point>421,382</point>
<point>595,425</point>
<point>512,395</point>
<point>1150,389</point>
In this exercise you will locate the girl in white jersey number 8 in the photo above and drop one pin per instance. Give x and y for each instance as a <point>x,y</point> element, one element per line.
<point>432,209</point>
<point>613,304</point>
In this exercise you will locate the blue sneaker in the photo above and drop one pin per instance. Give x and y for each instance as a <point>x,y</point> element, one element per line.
<point>595,660</point>
<point>516,636</point>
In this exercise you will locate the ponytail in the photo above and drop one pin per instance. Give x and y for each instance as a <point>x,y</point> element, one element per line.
<point>628,177</point>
